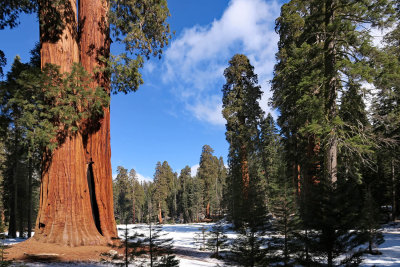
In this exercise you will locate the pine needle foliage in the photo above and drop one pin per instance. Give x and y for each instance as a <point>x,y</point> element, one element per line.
<point>160,248</point>
<point>217,239</point>
<point>369,223</point>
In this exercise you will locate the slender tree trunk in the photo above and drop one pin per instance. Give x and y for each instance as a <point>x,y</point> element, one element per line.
<point>133,207</point>
<point>216,197</point>
<point>95,46</point>
<point>331,90</point>
<point>307,249</point>
<point>12,227</point>
<point>393,191</point>
<point>160,219</point>
<point>208,210</point>
<point>65,213</point>
<point>12,224</point>
<point>30,200</point>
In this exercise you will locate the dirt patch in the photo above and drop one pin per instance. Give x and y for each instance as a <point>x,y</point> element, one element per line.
<point>23,252</point>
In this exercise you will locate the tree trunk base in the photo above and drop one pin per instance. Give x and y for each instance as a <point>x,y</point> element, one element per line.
<point>32,250</point>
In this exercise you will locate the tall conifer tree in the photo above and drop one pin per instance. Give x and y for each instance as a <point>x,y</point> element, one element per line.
<point>324,52</point>
<point>243,115</point>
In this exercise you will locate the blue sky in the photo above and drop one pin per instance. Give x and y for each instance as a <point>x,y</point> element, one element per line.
<point>178,109</point>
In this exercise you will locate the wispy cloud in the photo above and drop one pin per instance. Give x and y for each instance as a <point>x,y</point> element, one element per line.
<point>194,169</point>
<point>140,177</point>
<point>195,61</point>
<point>143,178</point>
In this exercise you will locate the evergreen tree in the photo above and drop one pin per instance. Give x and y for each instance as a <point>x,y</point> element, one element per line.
<point>196,199</point>
<point>139,201</point>
<point>160,248</point>
<point>243,115</point>
<point>386,116</point>
<point>164,179</point>
<point>369,223</point>
<point>217,239</point>
<point>123,196</point>
<point>208,174</point>
<point>249,248</point>
<point>269,148</point>
<point>323,50</point>
<point>184,203</point>
<point>220,186</point>
<point>284,245</point>
<point>200,238</point>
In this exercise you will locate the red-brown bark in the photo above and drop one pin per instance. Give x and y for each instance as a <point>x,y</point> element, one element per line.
<point>70,213</point>
<point>160,219</point>
<point>245,173</point>
<point>94,48</point>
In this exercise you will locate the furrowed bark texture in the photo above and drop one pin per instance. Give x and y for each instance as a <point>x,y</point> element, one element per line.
<point>95,46</point>
<point>65,214</point>
<point>245,173</point>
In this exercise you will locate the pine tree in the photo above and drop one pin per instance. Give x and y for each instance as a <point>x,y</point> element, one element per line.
<point>184,204</point>
<point>386,113</point>
<point>370,223</point>
<point>284,245</point>
<point>164,179</point>
<point>208,174</point>
<point>139,200</point>
<point>160,248</point>
<point>200,238</point>
<point>217,239</point>
<point>269,146</point>
<point>123,196</point>
<point>196,199</point>
<point>324,51</point>
<point>220,186</point>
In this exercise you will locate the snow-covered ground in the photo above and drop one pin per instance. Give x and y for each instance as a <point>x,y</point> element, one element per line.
<point>191,256</point>
<point>390,249</point>
<point>184,243</point>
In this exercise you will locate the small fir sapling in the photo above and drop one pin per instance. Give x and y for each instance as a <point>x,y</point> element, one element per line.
<point>160,248</point>
<point>217,239</point>
<point>283,243</point>
<point>370,223</point>
<point>200,238</point>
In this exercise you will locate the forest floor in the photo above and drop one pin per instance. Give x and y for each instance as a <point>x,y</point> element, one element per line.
<point>185,245</point>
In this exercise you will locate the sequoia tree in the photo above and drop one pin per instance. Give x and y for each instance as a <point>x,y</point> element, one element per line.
<point>243,116</point>
<point>76,206</point>
<point>208,175</point>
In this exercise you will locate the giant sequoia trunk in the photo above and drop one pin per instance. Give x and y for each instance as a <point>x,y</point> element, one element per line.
<point>95,46</point>
<point>75,196</point>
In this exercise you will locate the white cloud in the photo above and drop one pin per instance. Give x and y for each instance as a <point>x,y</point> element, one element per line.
<point>194,169</point>
<point>208,110</point>
<point>140,177</point>
<point>195,61</point>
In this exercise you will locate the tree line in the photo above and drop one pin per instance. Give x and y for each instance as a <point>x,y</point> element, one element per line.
<point>172,197</point>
